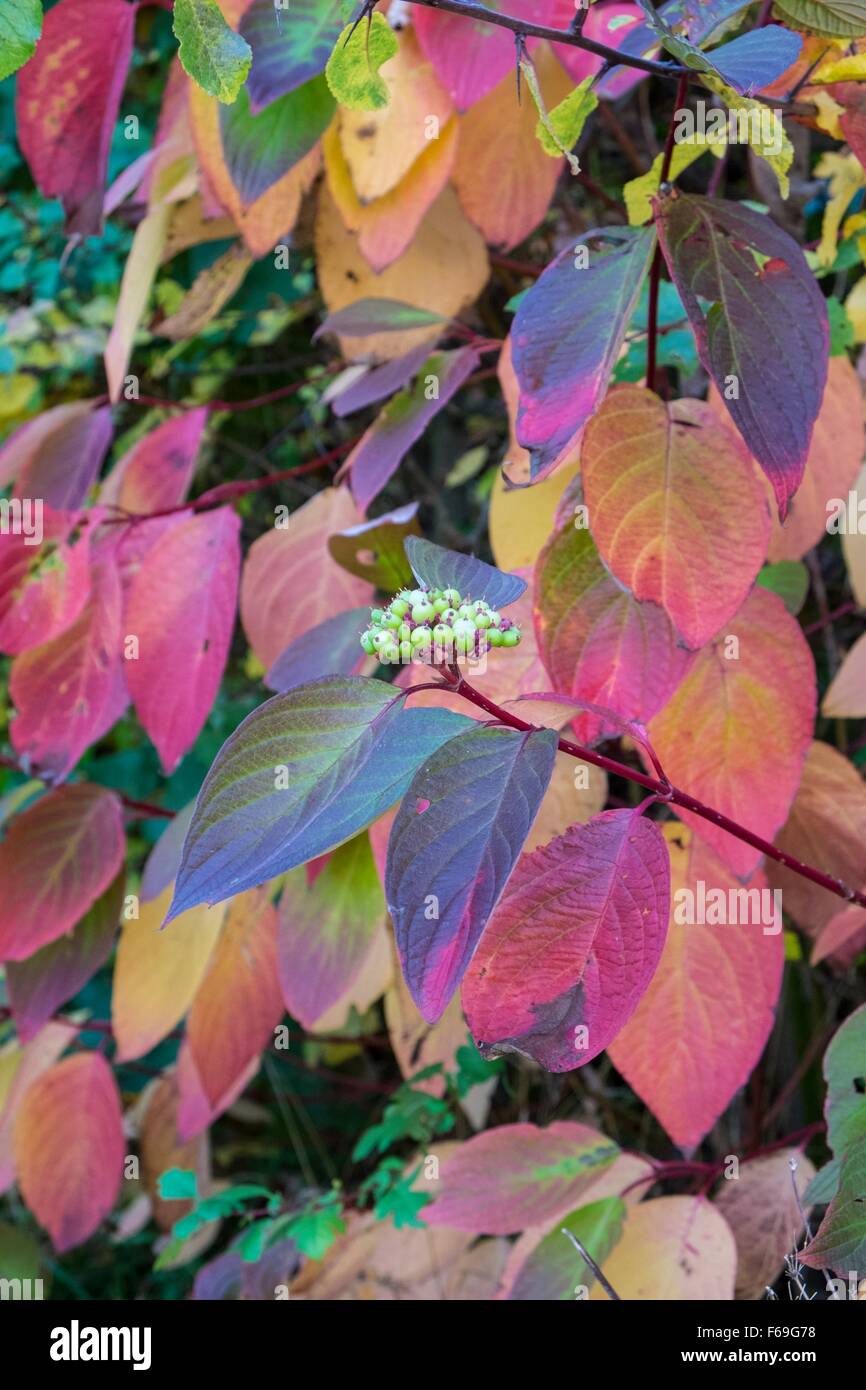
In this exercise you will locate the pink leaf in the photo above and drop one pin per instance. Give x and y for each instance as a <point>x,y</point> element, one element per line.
<point>67,102</point>
<point>63,466</point>
<point>158,471</point>
<point>573,943</point>
<point>516,1176</point>
<point>56,859</point>
<point>69,691</point>
<point>42,588</point>
<point>182,611</point>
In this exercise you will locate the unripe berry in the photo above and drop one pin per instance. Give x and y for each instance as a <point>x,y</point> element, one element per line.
<point>494,617</point>
<point>368,642</point>
<point>494,637</point>
<point>382,639</point>
<point>391,620</point>
<point>406,651</point>
<point>422,637</point>
<point>466,611</point>
<point>453,597</point>
<point>404,632</point>
<point>511,637</point>
<point>464,635</point>
<point>414,596</point>
<point>448,616</point>
<point>376,616</point>
<point>390,654</point>
<point>423,612</point>
<point>440,604</point>
<point>400,607</point>
<point>442,635</point>
<point>482,620</point>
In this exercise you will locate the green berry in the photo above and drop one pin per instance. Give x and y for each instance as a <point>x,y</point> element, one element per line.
<point>422,637</point>
<point>400,607</point>
<point>390,654</point>
<point>392,621</point>
<point>382,639</point>
<point>406,651</point>
<point>448,616</point>
<point>464,635</point>
<point>466,611</point>
<point>453,597</point>
<point>440,604</point>
<point>368,642</point>
<point>376,616</point>
<point>494,617</point>
<point>423,612</point>
<point>511,638</point>
<point>404,632</point>
<point>482,620</point>
<point>443,636</point>
<point>494,637</point>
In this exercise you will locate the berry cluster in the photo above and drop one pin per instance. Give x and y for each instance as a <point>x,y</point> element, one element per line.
<point>435,625</point>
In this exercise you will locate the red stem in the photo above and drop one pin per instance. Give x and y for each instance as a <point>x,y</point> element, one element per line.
<point>665,792</point>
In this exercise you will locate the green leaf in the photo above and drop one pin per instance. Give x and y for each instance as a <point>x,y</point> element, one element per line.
<point>841,19</point>
<point>842,335</point>
<point>212,54</point>
<point>845,1074</point>
<point>555,1270</point>
<point>353,67</point>
<point>178,1185</point>
<point>560,129</point>
<point>20,28</point>
<point>410,1114</point>
<point>840,1243</point>
<point>789,579</point>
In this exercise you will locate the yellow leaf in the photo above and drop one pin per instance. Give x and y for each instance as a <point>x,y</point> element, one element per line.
<point>855,307</point>
<point>639,192</point>
<point>846,175</point>
<point>444,269</point>
<point>157,973</point>
<point>380,147</point>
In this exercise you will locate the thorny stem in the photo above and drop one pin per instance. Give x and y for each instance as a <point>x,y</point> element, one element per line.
<point>573,38</point>
<point>663,789</point>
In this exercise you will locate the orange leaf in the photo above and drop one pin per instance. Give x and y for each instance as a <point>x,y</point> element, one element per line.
<point>69,1147</point>
<point>239,1002</point>
<point>675,507</point>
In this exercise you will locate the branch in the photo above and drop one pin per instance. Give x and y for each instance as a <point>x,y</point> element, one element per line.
<point>573,37</point>
<point>663,790</point>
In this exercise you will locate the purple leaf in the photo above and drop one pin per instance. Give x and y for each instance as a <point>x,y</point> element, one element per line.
<point>289,47</point>
<point>567,334</point>
<point>573,944</point>
<point>332,648</point>
<point>755,60</point>
<point>765,338</point>
<point>66,463</point>
<point>439,568</point>
<point>378,383</point>
<point>453,844</point>
<point>46,980</point>
<point>403,420</point>
<point>302,773</point>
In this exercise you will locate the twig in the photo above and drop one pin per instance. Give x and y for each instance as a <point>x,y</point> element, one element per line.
<point>587,1259</point>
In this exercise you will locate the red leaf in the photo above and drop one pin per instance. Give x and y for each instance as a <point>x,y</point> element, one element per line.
<point>67,102</point>
<point>42,588</point>
<point>157,473</point>
<point>58,856</point>
<point>573,943</point>
<point>69,691</point>
<point>701,1026</point>
<point>69,1148</point>
<point>182,611</point>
